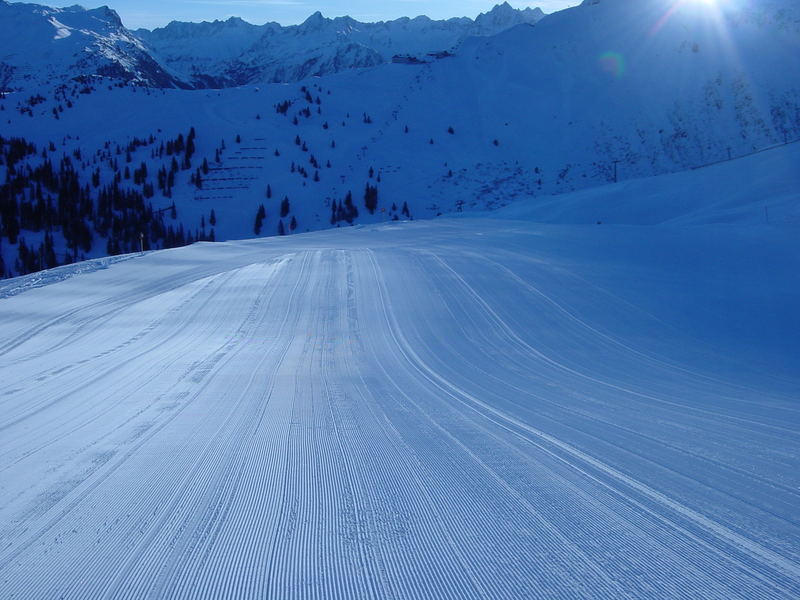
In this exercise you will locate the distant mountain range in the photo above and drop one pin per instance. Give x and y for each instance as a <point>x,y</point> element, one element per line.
<point>42,43</point>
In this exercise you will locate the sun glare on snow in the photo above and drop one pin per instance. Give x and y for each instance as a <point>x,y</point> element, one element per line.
<point>678,4</point>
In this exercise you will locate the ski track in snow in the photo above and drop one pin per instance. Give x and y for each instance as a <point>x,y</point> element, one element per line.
<point>342,416</point>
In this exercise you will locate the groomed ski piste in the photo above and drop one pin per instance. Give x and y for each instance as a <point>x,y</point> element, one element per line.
<point>475,407</point>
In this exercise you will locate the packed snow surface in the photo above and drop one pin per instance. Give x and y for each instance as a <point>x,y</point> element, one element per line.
<point>463,408</point>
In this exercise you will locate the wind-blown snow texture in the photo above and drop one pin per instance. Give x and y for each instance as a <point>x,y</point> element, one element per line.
<point>460,409</point>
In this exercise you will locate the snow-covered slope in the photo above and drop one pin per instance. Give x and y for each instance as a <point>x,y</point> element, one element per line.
<point>522,404</point>
<point>758,189</point>
<point>653,85</point>
<point>448,409</point>
<point>43,44</point>
<point>234,52</point>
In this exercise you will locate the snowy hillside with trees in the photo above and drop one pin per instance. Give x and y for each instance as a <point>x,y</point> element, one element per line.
<point>531,112</point>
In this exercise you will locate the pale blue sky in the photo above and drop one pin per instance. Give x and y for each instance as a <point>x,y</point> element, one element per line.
<point>156,13</point>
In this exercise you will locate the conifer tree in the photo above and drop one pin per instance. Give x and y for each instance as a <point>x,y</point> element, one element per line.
<point>189,148</point>
<point>260,216</point>
<point>371,198</point>
<point>49,253</point>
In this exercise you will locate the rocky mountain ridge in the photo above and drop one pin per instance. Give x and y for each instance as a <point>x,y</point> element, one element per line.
<point>40,43</point>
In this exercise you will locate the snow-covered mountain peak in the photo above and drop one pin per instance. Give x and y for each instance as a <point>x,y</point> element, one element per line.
<point>319,25</point>
<point>501,11</point>
<point>534,13</point>
<point>315,20</point>
<point>503,17</point>
<point>43,44</point>
<point>101,19</point>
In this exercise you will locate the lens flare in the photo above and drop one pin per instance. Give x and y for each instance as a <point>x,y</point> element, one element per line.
<point>613,63</point>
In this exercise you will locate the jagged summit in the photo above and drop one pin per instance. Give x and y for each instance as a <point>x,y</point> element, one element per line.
<point>205,56</point>
<point>314,20</point>
<point>49,44</point>
<point>500,10</point>
<point>503,16</point>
